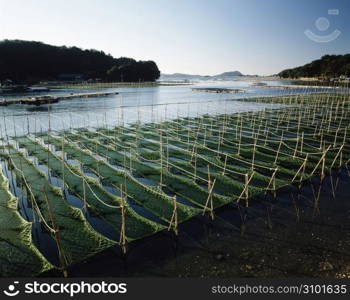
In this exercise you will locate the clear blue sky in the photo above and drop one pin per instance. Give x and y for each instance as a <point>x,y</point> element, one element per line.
<point>188,36</point>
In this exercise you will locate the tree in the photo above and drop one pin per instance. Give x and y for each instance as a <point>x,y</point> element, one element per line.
<point>327,66</point>
<point>30,61</point>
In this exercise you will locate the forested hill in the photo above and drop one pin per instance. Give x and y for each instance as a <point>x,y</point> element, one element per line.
<point>327,66</point>
<point>29,61</point>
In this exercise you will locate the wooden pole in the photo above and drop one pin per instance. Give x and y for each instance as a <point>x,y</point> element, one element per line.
<point>122,239</point>
<point>84,194</point>
<point>161,161</point>
<point>174,218</point>
<point>57,237</point>
<point>302,142</point>
<point>63,160</point>
<point>239,142</point>
<point>296,147</point>
<point>254,149</point>
<point>209,201</point>
<point>279,149</point>
<point>246,181</point>
<point>223,172</point>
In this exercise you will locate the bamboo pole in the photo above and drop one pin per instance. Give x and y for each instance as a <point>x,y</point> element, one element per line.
<point>338,154</point>
<point>225,164</point>
<point>63,159</point>
<point>322,160</point>
<point>57,236</point>
<point>302,142</point>
<point>296,147</point>
<point>84,195</point>
<point>335,138</point>
<point>246,180</point>
<point>254,149</point>
<point>279,149</point>
<point>245,190</point>
<point>161,161</point>
<point>239,143</point>
<point>209,201</point>
<point>273,183</point>
<point>174,218</point>
<point>122,238</point>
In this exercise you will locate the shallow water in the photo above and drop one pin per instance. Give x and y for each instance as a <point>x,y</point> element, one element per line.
<point>277,244</point>
<point>132,104</point>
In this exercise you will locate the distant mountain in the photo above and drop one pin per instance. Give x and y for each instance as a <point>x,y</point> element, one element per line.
<point>181,76</point>
<point>228,74</point>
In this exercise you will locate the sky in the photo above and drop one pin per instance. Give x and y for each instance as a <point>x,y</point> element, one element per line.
<point>204,37</point>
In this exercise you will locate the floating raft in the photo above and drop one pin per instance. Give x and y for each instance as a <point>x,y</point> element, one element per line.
<point>219,90</point>
<point>40,100</point>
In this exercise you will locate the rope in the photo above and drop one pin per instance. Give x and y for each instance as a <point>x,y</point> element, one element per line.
<point>32,195</point>
<point>83,177</point>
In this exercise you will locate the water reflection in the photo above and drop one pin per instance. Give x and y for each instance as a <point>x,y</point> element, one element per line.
<point>132,104</point>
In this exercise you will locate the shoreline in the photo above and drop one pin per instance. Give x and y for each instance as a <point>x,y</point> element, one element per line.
<point>114,85</point>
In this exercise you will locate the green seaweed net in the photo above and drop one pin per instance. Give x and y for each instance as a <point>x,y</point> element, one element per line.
<point>77,240</point>
<point>100,201</point>
<point>152,177</point>
<point>18,254</point>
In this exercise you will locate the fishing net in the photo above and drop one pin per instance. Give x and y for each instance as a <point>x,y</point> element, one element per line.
<point>89,190</point>
<point>152,176</point>
<point>18,254</point>
<point>77,239</point>
<point>150,198</point>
